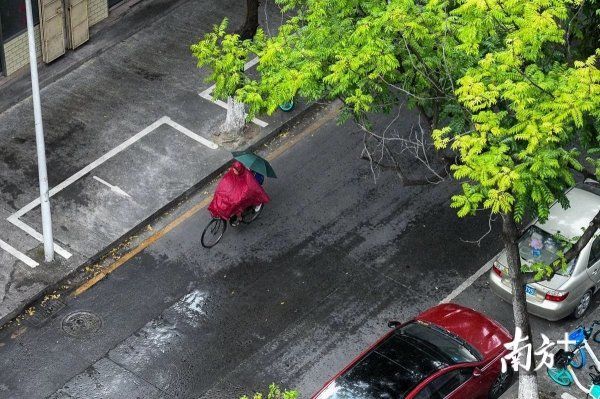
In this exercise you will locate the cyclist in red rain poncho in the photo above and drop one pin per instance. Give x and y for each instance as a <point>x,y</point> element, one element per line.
<point>237,191</point>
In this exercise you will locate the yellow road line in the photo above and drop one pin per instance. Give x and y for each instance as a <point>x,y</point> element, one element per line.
<point>143,245</point>
<point>332,111</point>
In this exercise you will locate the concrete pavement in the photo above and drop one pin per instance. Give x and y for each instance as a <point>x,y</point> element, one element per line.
<point>127,134</point>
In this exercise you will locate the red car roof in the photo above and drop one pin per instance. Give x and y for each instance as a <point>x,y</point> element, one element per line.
<point>481,332</point>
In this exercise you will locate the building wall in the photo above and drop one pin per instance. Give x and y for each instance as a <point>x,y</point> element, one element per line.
<point>16,51</point>
<point>97,11</point>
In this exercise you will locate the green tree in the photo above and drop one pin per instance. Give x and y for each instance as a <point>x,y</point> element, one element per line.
<point>250,26</point>
<point>529,104</point>
<point>510,86</point>
<point>274,392</point>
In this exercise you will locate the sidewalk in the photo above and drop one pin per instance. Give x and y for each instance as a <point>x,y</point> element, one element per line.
<point>127,134</point>
<point>547,390</point>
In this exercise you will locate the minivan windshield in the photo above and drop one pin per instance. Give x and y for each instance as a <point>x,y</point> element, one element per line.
<point>537,245</point>
<point>399,363</point>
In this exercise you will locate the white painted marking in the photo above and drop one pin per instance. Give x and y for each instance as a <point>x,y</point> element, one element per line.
<point>467,283</point>
<point>38,236</point>
<point>567,396</point>
<point>14,218</point>
<point>94,165</point>
<point>115,189</point>
<point>259,122</point>
<point>207,94</point>
<point>18,254</point>
<point>192,135</point>
<point>250,63</point>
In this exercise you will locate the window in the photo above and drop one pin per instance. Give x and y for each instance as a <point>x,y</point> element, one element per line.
<point>112,3</point>
<point>399,363</point>
<point>594,252</point>
<point>445,384</point>
<point>537,245</point>
<point>13,18</point>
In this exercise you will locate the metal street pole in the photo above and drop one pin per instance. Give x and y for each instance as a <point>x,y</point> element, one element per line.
<point>39,140</point>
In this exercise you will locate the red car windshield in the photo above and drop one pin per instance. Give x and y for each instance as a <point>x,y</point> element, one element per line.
<point>398,364</point>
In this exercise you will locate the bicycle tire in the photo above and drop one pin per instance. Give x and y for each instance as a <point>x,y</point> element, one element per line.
<point>560,376</point>
<point>216,227</point>
<point>251,214</point>
<point>596,337</point>
<point>579,359</point>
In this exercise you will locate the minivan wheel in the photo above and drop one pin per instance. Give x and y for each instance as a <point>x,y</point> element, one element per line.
<point>501,384</point>
<point>583,305</point>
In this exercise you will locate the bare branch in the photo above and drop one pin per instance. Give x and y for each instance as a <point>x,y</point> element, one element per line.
<point>415,146</point>
<point>478,241</point>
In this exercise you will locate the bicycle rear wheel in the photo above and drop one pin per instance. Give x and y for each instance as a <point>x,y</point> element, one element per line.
<point>579,358</point>
<point>560,376</point>
<point>596,337</point>
<point>213,232</point>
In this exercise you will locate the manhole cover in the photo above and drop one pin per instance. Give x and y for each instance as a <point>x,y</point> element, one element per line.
<point>81,324</point>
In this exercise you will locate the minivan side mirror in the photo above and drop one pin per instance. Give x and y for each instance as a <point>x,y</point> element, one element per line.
<point>394,324</point>
<point>477,372</point>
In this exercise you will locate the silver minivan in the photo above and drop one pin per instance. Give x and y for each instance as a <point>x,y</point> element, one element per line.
<point>570,291</point>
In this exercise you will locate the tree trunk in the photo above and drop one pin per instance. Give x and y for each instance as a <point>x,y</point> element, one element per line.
<point>248,30</point>
<point>528,384</point>
<point>235,120</point>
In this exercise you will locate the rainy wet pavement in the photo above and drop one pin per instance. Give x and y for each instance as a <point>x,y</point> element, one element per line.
<point>291,298</point>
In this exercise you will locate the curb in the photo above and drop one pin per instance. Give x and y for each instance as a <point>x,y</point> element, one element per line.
<point>309,110</point>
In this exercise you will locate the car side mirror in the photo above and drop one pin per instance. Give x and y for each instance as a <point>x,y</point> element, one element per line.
<point>477,372</point>
<point>393,324</point>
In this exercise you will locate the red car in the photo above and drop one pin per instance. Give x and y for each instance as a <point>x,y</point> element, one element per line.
<point>449,352</point>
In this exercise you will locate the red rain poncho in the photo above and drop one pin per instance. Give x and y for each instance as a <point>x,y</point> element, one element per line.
<point>236,192</point>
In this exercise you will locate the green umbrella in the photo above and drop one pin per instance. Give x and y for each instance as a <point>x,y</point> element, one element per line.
<point>255,163</point>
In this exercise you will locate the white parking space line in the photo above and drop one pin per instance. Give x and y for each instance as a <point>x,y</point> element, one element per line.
<point>468,282</point>
<point>207,94</point>
<point>37,235</point>
<point>191,134</point>
<point>14,218</point>
<point>18,254</point>
<point>567,396</point>
<point>93,165</point>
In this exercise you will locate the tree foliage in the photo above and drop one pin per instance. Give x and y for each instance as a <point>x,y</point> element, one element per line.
<point>274,392</point>
<point>511,86</point>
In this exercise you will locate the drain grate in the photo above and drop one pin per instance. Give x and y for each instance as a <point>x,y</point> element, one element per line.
<point>44,312</point>
<point>81,324</point>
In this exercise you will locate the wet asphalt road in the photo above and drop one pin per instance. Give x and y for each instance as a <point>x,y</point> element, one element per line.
<point>291,298</point>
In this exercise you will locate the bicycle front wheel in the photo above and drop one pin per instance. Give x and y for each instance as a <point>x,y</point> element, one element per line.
<point>560,376</point>
<point>213,232</point>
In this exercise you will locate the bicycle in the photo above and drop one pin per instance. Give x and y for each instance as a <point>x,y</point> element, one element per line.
<point>215,229</point>
<point>581,335</point>
<point>564,374</point>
